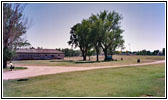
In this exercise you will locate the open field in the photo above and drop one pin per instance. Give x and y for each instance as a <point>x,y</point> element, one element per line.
<point>135,81</point>
<point>77,61</point>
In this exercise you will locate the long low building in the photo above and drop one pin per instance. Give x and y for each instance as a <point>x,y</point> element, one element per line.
<point>38,54</point>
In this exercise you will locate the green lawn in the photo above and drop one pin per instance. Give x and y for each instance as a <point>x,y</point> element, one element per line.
<point>133,81</point>
<point>76,61</point>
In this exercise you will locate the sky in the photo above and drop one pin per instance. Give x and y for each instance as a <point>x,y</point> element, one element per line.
<point>50,23</point>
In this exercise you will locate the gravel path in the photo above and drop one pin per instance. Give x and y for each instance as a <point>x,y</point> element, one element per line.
<point>45,70</point>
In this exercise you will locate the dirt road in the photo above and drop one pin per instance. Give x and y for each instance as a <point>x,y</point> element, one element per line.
<point>45,70</point>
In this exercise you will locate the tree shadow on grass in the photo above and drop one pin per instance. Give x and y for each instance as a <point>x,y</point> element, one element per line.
<point>78,62</point>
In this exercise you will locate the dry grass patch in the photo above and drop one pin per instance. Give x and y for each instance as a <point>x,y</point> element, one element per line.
<point>77,61</point>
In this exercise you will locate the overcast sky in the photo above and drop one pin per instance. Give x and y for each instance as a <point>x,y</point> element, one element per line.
<point>144,23</point>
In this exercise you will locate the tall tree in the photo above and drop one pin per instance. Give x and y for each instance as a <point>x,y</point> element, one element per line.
<point>80,37</point>
<point>155,52</point>
<point>163,51</point>
<point>14,26</point>
<point>111,31</point>
<point>96,34</point>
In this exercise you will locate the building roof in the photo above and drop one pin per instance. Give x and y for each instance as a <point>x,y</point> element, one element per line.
<point>38,51</point>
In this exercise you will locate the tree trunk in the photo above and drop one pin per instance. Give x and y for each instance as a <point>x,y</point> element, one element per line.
<point>84,52</point>
<point>105,54</point>
<point>89,58</point>
<point>97,53</point>
<point>4,63</point>
<point>84,57</point>
<point>112,57</point>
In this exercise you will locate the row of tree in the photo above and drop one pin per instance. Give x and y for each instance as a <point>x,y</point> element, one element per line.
<point>148,52</point>
<point>142,52</point>
<point>70,52</point>
<point>99,31</point>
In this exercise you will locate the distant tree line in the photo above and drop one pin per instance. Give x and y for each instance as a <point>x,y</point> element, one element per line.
<point>70,52</point>
<point>142,52</point>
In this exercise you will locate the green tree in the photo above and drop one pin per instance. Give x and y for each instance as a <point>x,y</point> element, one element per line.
<point>148,52</point>
<point>144,52</point>
<point>163,51</point>
<point>111,37</point>
<point>155,52</point>
<point>71,52</point>
<point>14,26</point>
<point>96,34</point>
<point>80,37</point>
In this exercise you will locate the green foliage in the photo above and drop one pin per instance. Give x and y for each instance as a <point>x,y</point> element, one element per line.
<point>80,37</point>
<point>163,51</point>
<point>155,52</point>
<point>8,54</point>
<point>111,31</point>
<point>91,52</point>
<point>145,52</point>
<point>96,33</point>
<point>100,30</point>
<point>71,52</point>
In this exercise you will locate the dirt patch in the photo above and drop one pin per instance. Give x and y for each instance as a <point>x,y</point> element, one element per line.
<point>148,95</point>
<point>161,78</point>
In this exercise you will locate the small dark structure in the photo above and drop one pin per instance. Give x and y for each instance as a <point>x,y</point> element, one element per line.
<point>138,61</point>
<point>121,58</point>
<point>22,79</point>
<point>38,54</point>
<point>12,67</point>
<point>108,58</point>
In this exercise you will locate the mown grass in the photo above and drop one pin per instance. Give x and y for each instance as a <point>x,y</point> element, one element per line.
<point>77,61</point>
<point>135,81</point>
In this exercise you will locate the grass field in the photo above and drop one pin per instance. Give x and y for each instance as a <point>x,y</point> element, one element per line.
<point>135,81</point>
<point>77,61</point>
